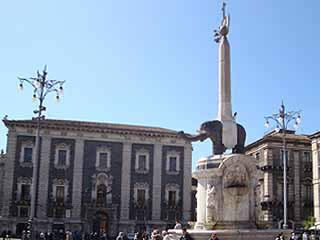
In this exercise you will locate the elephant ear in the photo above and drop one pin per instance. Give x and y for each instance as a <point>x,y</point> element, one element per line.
<point>217,125</point>
<point>241,132</point>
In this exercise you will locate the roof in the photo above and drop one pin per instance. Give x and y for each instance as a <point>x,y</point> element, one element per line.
<point>315,135</point>
<point>275,136</point>
<point>73,125</point>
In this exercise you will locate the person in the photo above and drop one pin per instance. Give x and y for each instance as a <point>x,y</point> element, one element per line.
<point>178,225</point>
<point>213,237</point>
<point>42,236</point>
<point>280,236</point>
<point>185,235</point>
<point>305,236</point>
<point>120,236</point>
<point>156,235</point>
<point>165,235</point>
<point>293,236</point>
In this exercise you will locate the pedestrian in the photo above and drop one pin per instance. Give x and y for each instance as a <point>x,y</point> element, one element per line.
<point>178,225</point>
<point>156,235</point>
<point>120,236</point>
<point>185,235</point>
<point>165,235</point>
<point>293,236</point>
<point>305,236</point>
<point>280,236</point>
<point>213,237</point>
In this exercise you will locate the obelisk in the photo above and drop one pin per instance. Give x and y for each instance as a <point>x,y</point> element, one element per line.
<point>225,116</point>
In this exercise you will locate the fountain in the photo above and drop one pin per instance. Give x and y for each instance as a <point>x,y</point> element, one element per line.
<point>226,199</point>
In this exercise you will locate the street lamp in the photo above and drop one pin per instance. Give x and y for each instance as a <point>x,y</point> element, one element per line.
<point>282,120</point>
<point>41,88</point>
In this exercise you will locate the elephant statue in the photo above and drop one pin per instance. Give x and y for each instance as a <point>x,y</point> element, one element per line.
<point>213,130</point>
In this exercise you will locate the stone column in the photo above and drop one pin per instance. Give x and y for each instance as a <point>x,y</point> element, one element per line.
<point>77,179</point>
<point>316,181</point>
<point>296,183</point>
<point>9,172</point>
<point>43,177</point>
<point>125,181</point>
<point>201,202</point>
<point>156,188</point>
<point>187,182</point>
<point>268,182</point>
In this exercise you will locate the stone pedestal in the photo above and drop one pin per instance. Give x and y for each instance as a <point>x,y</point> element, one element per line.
<point>226,197</point>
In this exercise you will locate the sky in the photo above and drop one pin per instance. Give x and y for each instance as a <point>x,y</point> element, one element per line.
<point>155,63</point>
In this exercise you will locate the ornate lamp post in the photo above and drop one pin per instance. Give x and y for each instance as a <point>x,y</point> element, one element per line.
<point>41,88</point>
<point>282,120</point>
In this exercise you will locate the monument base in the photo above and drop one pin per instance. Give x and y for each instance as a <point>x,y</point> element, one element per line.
<point>226,197</point>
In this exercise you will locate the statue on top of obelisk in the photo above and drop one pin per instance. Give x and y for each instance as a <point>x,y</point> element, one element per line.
<point>224,132</point>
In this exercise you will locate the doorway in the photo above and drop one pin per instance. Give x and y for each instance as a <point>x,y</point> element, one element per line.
<point>100,223</point>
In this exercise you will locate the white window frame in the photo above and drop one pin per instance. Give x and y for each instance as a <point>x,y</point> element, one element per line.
<point>27,144</point>
<point>141,186</point>
<point>172,187</point>
<point>177,156</point>
<point>62,146</point>
<point>23,181</point>
<point>63,183</point>
<point>105,179</point>
<point>103,149</point>
<point>142,152</point>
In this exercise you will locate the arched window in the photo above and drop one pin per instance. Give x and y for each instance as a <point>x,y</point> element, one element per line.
<point>101,195</point>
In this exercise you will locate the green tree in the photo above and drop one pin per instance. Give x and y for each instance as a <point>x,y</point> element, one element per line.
<point>309,222</point>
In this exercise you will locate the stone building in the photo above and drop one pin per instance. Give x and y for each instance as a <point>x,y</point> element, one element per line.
<point>315,141</point>
<point>2,162</point>
<point>268,151</point>
<point>96,177</point>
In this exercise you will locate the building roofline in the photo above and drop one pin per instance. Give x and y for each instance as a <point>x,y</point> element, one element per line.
<point>74,125</point>
<point>315,135</point>
<point>275,136</point>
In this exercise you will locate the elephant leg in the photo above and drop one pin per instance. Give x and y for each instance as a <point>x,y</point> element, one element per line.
<point>218,149</point>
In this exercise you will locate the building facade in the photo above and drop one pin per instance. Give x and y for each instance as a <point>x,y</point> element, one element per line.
<point>95,177</point>
<point>315,141</point>
<point>269,153</point>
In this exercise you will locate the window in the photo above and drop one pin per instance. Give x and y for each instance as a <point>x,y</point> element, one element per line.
<point>307,157</point>
<point>101,195</point>
<point>172,198</point>
<point>309,196</point>
<point>60,194</point>
<point>27,156</point>
<point>103,163</point>
<point>25,192</point>
<point>173,161</point>
<point>141,196</point>
<point>172,194</point>
<point>62,157</point>
<point>258,156</point>
<point>142,164</point>
<point>142,161</point>
<point>173,164</point>
<point>103,158</point>
<point>24,212</point>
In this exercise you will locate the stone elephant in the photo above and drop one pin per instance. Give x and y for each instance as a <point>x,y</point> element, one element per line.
<point>213,130</point>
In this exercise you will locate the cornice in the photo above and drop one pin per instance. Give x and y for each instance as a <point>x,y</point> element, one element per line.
<point>94,127</point>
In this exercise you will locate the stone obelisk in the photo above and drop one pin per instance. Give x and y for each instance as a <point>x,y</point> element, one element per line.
<point>225,116</point>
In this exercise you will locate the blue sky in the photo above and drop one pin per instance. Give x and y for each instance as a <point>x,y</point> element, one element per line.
<point>154,62</point>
